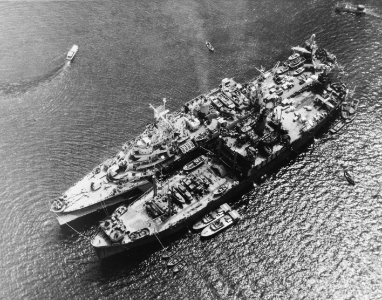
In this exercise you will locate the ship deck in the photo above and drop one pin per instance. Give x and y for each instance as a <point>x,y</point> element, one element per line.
<point>136,218</point>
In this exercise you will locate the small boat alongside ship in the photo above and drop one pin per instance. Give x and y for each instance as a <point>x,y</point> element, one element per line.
<point>347,115</point>
<point>348,110</point>
<point>212,216</point>
<point>220,224</point>
<point>72,53</point>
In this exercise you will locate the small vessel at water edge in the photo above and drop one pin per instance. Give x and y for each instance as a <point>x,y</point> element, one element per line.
<point>72,52</point>
<point>220,224</point>
<point>212,216</point>
<point>210,47</point>
<point>247,139</point>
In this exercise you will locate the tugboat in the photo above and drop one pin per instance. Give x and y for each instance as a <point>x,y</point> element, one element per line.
<point>72,52</point>
<point>220,224</point>
<point>209,46</point>
<point>350,8</point>
<point>212,216</point>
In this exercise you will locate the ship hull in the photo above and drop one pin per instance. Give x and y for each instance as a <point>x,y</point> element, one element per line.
<point>255,174</point>
<point>65,218</point>
<point>110,250</point>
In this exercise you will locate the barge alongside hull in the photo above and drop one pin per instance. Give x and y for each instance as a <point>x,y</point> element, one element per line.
<point>251,130</point>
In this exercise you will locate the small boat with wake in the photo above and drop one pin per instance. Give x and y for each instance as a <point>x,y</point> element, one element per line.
<point>350,8</point>
<point>349,178</point>
<point>212,216</point>
<point>210,47</point>
<point>218,225</point>
<point>72,52</point>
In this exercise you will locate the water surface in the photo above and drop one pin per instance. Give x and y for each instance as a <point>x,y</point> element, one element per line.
<point>305,233</point>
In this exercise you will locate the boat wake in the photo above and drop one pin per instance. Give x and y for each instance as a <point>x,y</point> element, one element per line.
<point>23,86</point>
<point>372,13</point>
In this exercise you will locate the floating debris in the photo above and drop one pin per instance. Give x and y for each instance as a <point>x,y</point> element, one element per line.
<point>349,178</point>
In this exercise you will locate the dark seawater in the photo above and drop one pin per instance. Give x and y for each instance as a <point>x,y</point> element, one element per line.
<point>305,232</point>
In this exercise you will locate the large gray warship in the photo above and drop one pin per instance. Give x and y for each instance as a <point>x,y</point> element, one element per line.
<point>240,133</point>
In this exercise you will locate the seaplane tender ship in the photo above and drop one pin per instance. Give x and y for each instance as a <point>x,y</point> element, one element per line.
<point>244,132</point>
